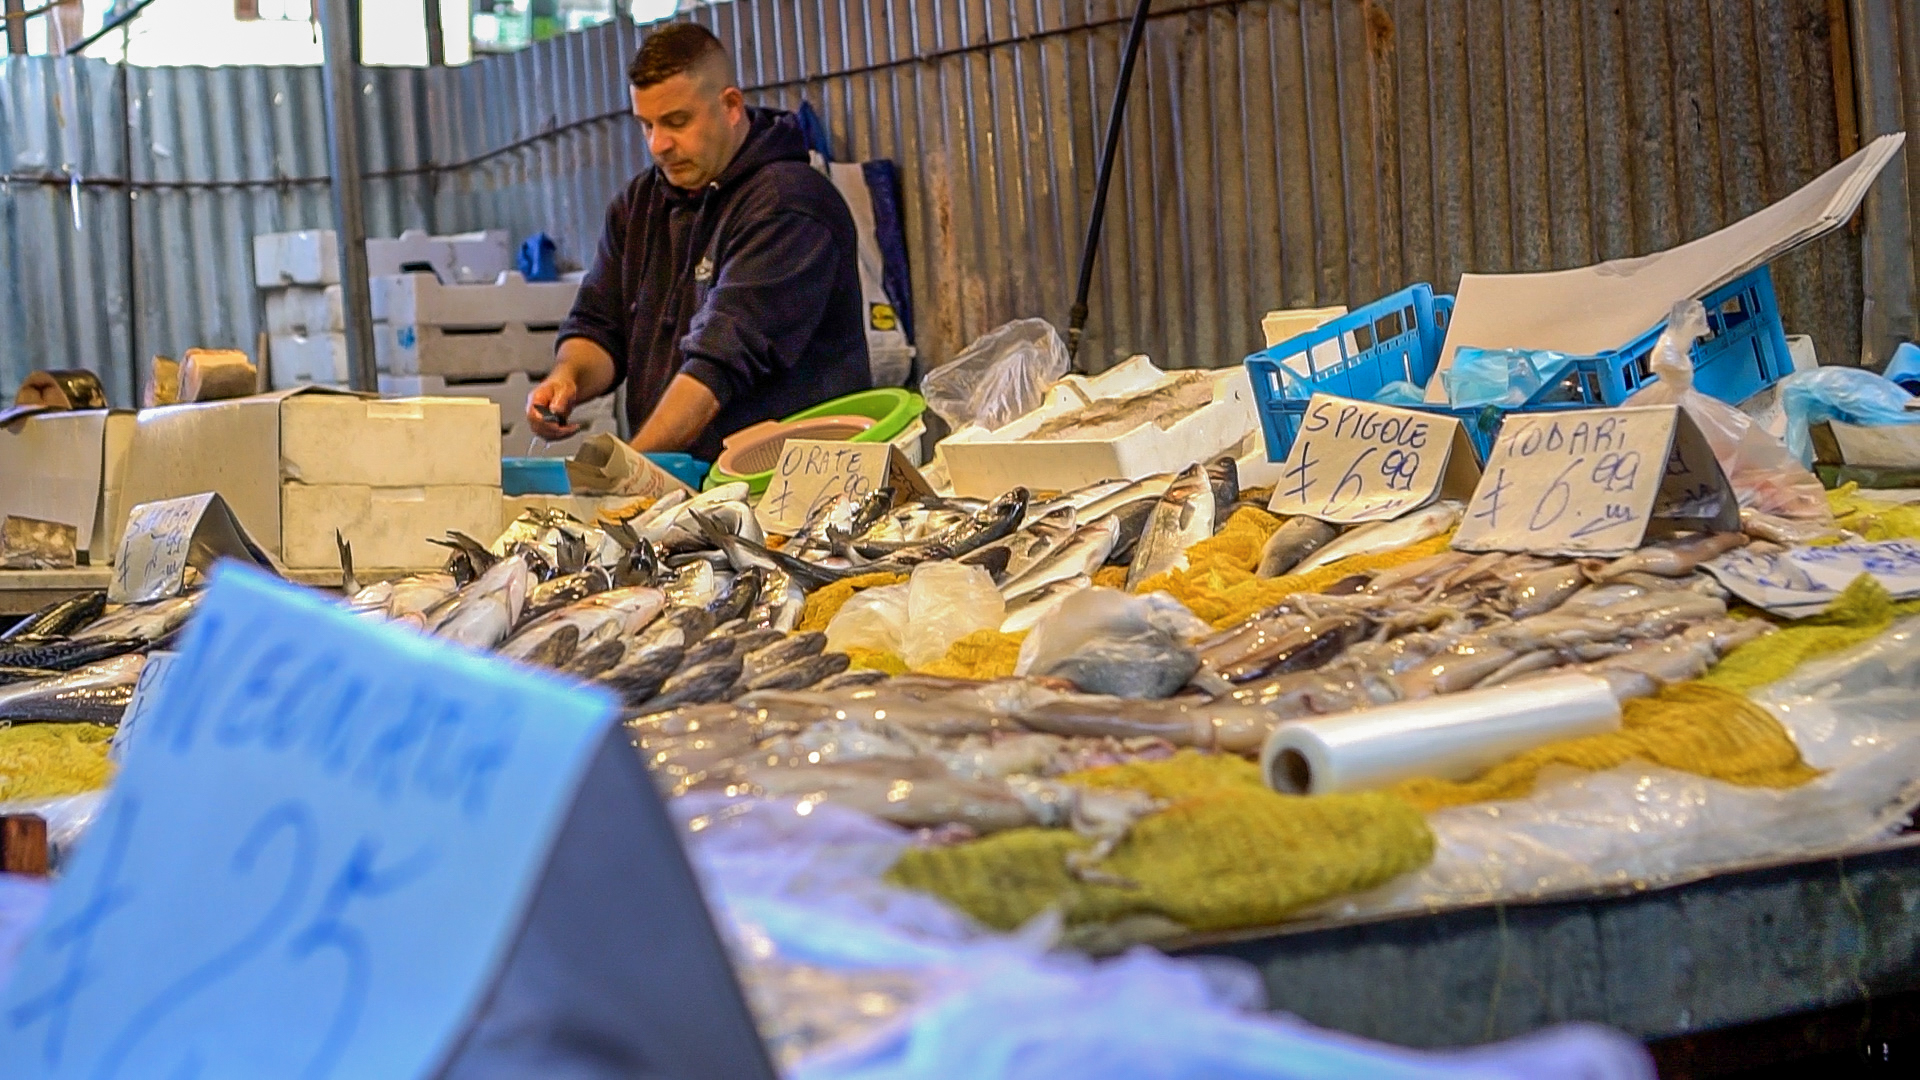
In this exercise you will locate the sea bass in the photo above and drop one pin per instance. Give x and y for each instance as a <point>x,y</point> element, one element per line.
<point>1078,557</point>
<point>1402,532</point>
<point>1293,542</point>
<point>1184,517</point>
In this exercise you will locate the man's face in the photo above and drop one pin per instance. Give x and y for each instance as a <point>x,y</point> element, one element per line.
<point>690,125</point>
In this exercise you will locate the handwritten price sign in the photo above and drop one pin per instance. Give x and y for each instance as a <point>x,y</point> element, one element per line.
<point>313,861</point>
<point>1596,482</point>
<point>813,472</point>
<point>1357,461</point>
<point>166,536</point>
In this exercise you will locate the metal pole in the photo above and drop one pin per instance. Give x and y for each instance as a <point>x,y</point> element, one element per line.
<point>341,77</point>
<point>1077,317</point>
<point>17,27</point>
<point>436,36</point>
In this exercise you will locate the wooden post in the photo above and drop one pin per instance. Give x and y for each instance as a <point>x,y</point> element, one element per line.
<point>23,845</point>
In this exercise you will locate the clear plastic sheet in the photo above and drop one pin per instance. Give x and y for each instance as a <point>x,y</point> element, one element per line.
<point>946,601</point>
<point>1846,394</point>
<point>999,378</point>
<point>874,619</point>
<point>1641,825</point>
<point>1501,377</point>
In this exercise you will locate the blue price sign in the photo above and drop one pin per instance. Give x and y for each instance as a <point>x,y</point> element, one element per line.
<point>319,850</point>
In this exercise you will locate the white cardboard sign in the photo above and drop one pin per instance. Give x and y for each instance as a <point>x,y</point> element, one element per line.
<point>165,537</point>
<point>813,471</point>
<point>1802,581</point>
<point>1596,482</point>
<point>1356,461</point>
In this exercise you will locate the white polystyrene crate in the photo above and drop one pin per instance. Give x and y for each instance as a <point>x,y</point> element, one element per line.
<point>294,360</point>
<point>309,257</point>
<point>420,300</point>
<point>304,310</point>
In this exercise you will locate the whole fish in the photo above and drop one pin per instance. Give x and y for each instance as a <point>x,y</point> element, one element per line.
<point>1183,518</point>
<point>851,680</point>
<point>1290,544</point>
<point>11,675</point>
<point>736,645</point>
<point>1306,646</point>
<point>741,594</point>
<point>1031,607</point>
<point>1418,574</point>
<point>1402,532</point>
<point>798,674</point>
<point>1151,487</point>
<point>1224,474</point>
<point>1147,664</point>
<point>1081,498</point>
<point>783,652</point>
<point>736,518</point>
<point>66,654</point>
<point>148,622</point>
<point>641,673</point>
<point>97,693</point>
<point>601,617</point>
<point>993,522</point>
<point>640,565</point>
<point>482,614</point>
<point>594,662</point>
<point>681,626</point>
<point>556,593</point>
<point>1078,557</point>
<point>697,685</point>
<point>781,603</point>
<point>60,618</point>
<point>1131,524</point>
<point>1026,548</point>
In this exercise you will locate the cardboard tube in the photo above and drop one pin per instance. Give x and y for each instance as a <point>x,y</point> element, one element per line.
<point>1452,737</point>
<point>75,389</point>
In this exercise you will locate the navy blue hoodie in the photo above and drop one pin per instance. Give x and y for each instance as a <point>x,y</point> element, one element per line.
<point>749,285</point>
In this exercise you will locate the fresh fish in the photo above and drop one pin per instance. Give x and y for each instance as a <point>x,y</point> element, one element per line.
<point>1183,519</point>
<point>735,518</point>
<point>696,685</point>
<point>783,652</point>
<point>993,522</point>
<point>1180,395</point>
<point>601,617</point>
<point>473,553</point>
<point>680,626</point>
<point>661,509</point>
<point>915,794</point>
<point>799,674</point>
<point>781,603</point>
<point>594,662</point>
<point>60,618</point>
<point>11,675</point>
<point>1026,548</point>
<point>1033,606</point>
<point>1290,544</point>
<point>148,622</point>
<point>1224,475</point>
<point>482,614</point>
<point>556,649</point>
<point>554,594</point>
<point>1078,557</point>
<point>722,646</point>
<point>639,566</point>
<point>741,594</point>
<point>1669,559</point>
<point>693,585</point>
<point>1151,487</point>
<point>1147,664</point>
<point>1081,498</point>
<point>1402,532</point>
<point>1418,574</point>
<point>1131,524</point>
<point>96,693</point>
<point>66,654</point>
<point>641,673</point>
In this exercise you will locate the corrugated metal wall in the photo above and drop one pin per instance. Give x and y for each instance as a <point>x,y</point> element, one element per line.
<point>1278,153</point>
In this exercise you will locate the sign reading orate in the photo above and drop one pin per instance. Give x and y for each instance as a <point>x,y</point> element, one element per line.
<point>1357,461</point>
<point>314,859</point>
<point>165,537</point>
<point>812,472</point>
<point>1596,482</point>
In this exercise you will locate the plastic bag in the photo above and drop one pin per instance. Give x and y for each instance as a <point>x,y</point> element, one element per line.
<point>1849,395</point>
<point>999,378</point>
<point>946,601</point>
<point>1402,393</point>
<point>1506,378</point>
<point>1764,474</point>
<point>1107,642</point>
<point>875,619</point>
<point>1904,368</point>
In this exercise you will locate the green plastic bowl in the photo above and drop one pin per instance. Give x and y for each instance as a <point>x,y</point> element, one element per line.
<point>890,408</point>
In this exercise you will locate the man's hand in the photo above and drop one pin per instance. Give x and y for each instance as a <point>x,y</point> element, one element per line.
<point>550,403</point>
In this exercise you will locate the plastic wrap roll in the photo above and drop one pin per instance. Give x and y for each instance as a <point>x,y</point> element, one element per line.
<point>1453,737</point>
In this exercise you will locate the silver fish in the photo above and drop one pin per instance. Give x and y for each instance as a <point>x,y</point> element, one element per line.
<point>1403,531</point>
<point>1151,487</point>
<point>601,617</point>
<point>641,673</point>
<point>1078,557</point>
<point>149,622</point>
<point>697,685</point>
<point>798,674</point>
<point>1033,606</point>
<point>1028,547</point>
<point>97,693</point>
<point>481,615</point>
<point>1184,517</point>
<point>1292,542</point>
<point>783,652</point>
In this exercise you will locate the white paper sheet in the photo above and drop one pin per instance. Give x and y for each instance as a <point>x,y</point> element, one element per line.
<point>1595,308</point>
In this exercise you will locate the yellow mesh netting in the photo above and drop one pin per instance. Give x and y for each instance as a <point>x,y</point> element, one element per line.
<point>1111,577</point>
<point>983,654</point>
<point>1874,519</point>
<point>825,602</point>
<point>49,761</point>
<point>1227,853</point>
<point>876,660</point>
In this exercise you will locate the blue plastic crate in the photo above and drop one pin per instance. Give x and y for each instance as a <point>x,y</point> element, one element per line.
<point>1399,337</point>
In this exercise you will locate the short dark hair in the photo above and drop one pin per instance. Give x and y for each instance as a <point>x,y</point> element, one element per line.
<point>674,49</point>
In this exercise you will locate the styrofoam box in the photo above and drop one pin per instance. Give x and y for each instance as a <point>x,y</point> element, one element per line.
<point>406,349</point>
<point>250,449</point>
<point>312,257</point>
<point>420,300</point>
<point>320,360</point>
<point>304,311</point>
<point>509,393</point>
<point>983,464</point>
<point>387,526</point>
<point>70,467</point>
<point>1278,326</point>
